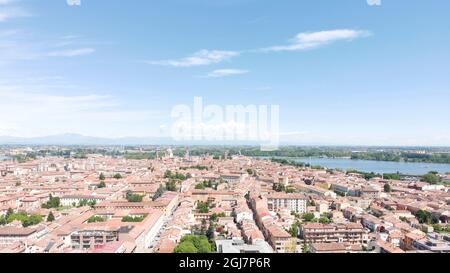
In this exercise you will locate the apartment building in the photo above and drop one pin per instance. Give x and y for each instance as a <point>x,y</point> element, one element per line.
<point>239,246</point>
<point>93,238</point>
<point>290,201</point>
<point>433,242</point>
<point>352,233</point>
<point>280,240</point>
<point>69,200</point>
<point>334,248</point>
<point>12,235</point>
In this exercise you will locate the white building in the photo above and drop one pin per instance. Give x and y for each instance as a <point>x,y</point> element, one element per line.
<point>291,201</point>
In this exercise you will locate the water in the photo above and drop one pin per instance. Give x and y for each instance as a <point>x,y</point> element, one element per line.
<point>2,157</point>
<point>376,166</point>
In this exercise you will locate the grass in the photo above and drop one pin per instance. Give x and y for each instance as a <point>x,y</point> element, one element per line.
<point>63,208</point>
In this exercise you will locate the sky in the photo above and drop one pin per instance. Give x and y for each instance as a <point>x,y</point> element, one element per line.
<point>348,72</point>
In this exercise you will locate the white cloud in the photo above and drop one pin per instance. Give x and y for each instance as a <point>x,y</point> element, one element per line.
<point>71,52</point>
<point>311,40</point>
<point>202,57</point>
<point>38,111</point>
<point>20,45</point>
<point>6,2</point>
<point>219,73</point>
<point>8,11</point>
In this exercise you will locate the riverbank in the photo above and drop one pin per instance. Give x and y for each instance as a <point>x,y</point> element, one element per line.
<point>382,167</point>
<point>4,158</point>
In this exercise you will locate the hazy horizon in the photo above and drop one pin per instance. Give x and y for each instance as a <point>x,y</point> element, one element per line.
<point>84,140</point>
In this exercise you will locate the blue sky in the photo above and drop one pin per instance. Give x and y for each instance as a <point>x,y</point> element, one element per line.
<point>342,72</point>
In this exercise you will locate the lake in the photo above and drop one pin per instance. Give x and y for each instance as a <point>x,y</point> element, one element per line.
<point>376,166</point>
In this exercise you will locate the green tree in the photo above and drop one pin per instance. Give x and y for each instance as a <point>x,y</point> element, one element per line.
<point>102,177</point>
<point>324,220</point>
<point>117,176</point>
<point>294,230</point>
<point>186,247</point>
<point>278,187</point>
<point>133,198</point>
<point>387,187</point>
<point>53,202</point>
<point>50,217</point>
<point>82,203</point>
<point>85,202</point>
<point>101,185</point>
<point>431,178</point>
<point>20,216</point>
<point>171,185</point>
<point>9,212</point>
<point>201,243</point>
<point>215,216</point>
<point>32,220</point>
<point>305,249</point>
<point>308,217</point>
<point>392,176</point>
<point>424,217</point>
<point>96,219</point>
<point>203,207</point>
<point>203,246</point>
<point>210,231</point>
<point>168,174</point>
<point>132,219</point>
<point>200,186</point>
<point>159,192</point>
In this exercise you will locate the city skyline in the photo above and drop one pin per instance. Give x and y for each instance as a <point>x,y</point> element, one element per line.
<point>358,74</point>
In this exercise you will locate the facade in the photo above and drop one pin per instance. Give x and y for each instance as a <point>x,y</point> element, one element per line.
<point>92,238</point>
<point>435,243</point>
<point>334,248</point>
<point>280,240</point>
<point>292,202</point>
<point>352,233</point>
<point>69,200</point>
<point>239,246</point>
<point>12,235</point>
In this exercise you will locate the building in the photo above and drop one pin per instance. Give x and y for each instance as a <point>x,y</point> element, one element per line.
<point>239,246</point>
<point>368,192</point>
<point>408,240</point>
<point>92,238</point>
<point>334,248</point>
<point>231,178</point>
<point>385,247</point>
<point>70,200</point>
<point>352,233</point>
<point>12,235</point>
<point>281,240</point>
<point>435,243</point>
<point>291,201</point>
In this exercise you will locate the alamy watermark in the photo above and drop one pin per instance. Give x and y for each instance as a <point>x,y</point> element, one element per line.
<point>73,2</point>
<point>374,2</point>
<point>235,123</point>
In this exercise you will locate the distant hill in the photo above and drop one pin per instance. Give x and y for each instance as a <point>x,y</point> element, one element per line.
<point>77,139</point>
